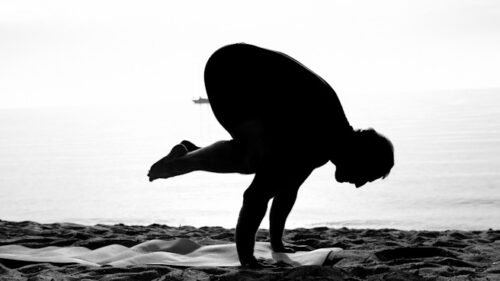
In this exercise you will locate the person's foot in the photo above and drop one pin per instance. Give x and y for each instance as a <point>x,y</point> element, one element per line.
<point>164,169</point>
<point>189,145</point>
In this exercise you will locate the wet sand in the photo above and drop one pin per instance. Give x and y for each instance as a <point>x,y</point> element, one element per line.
<point>384,254</point>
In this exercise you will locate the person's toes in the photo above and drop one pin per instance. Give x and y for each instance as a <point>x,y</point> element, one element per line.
<point>160,170</point>
<point>163,168</point>
<point>153,173</point>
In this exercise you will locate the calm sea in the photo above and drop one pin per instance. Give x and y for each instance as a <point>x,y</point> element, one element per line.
<point>88,165</point>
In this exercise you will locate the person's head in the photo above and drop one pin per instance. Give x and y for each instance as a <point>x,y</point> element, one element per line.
<point>367,156</point>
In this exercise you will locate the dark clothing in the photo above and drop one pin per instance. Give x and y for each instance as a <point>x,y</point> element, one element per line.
<point>300,113</point>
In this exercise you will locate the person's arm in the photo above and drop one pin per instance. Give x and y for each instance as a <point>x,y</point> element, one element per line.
<point>255,200</point>
<point>251,215</point>
<point>282,205</point>
<point>281,183</point>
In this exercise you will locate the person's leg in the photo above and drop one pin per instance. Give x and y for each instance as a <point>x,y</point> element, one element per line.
<point>220,157</point>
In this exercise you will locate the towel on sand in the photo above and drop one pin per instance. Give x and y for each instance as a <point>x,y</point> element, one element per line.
<point>180,252</point>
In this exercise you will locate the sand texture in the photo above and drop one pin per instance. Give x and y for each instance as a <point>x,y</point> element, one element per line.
<point>385,254</point>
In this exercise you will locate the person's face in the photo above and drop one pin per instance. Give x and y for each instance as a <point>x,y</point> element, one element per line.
<point>355,174</point>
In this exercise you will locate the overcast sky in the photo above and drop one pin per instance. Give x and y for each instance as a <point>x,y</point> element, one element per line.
<point>93,52</point>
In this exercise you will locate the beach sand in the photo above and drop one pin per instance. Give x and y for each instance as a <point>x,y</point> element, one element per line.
<point>384,254</point>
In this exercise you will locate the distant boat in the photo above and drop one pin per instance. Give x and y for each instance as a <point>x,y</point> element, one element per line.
<point>200,100</point>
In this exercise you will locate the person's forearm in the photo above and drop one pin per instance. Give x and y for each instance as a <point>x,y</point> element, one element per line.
<point>280,209</point>
<point>251,215</point>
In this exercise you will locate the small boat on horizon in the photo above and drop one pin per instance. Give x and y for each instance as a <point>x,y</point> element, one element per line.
<point>201,100</point>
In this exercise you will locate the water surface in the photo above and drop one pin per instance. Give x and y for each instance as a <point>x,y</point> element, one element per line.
<point>89,164</point>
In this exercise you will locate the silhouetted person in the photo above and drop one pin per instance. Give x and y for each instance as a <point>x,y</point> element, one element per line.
<point>285,122</point>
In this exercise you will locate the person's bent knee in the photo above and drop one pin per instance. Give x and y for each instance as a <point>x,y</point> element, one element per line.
<point>248,157</point>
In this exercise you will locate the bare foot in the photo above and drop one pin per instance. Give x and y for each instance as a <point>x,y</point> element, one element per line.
<point>164,169</point>
<point>189,145</point>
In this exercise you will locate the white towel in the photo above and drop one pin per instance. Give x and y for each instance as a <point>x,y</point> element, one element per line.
<point>180,252</point>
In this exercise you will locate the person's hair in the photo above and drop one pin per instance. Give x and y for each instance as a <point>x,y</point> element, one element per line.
<point>377,150</point>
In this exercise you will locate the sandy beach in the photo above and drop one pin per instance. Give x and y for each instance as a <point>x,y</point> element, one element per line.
<point>384,254</point>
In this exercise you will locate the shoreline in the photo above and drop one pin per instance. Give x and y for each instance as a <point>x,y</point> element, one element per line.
<point>337,225</point>
<point>369,254</point>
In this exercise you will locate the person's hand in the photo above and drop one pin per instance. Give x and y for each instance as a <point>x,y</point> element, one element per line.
<point>282,249</point>
<point>253,263</point>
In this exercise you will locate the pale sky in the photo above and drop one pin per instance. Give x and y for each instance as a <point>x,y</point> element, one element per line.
<point>94,52</point>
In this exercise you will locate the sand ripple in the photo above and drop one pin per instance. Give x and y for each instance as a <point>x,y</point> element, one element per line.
<point>384,254</point>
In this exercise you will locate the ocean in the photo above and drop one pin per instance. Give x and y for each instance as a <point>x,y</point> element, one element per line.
<point>88,164</point>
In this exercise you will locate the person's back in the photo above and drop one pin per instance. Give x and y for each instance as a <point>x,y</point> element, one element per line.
<point>298,110</point>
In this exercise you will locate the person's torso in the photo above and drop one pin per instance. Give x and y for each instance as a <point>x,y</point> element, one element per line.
<point>300,113</point>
